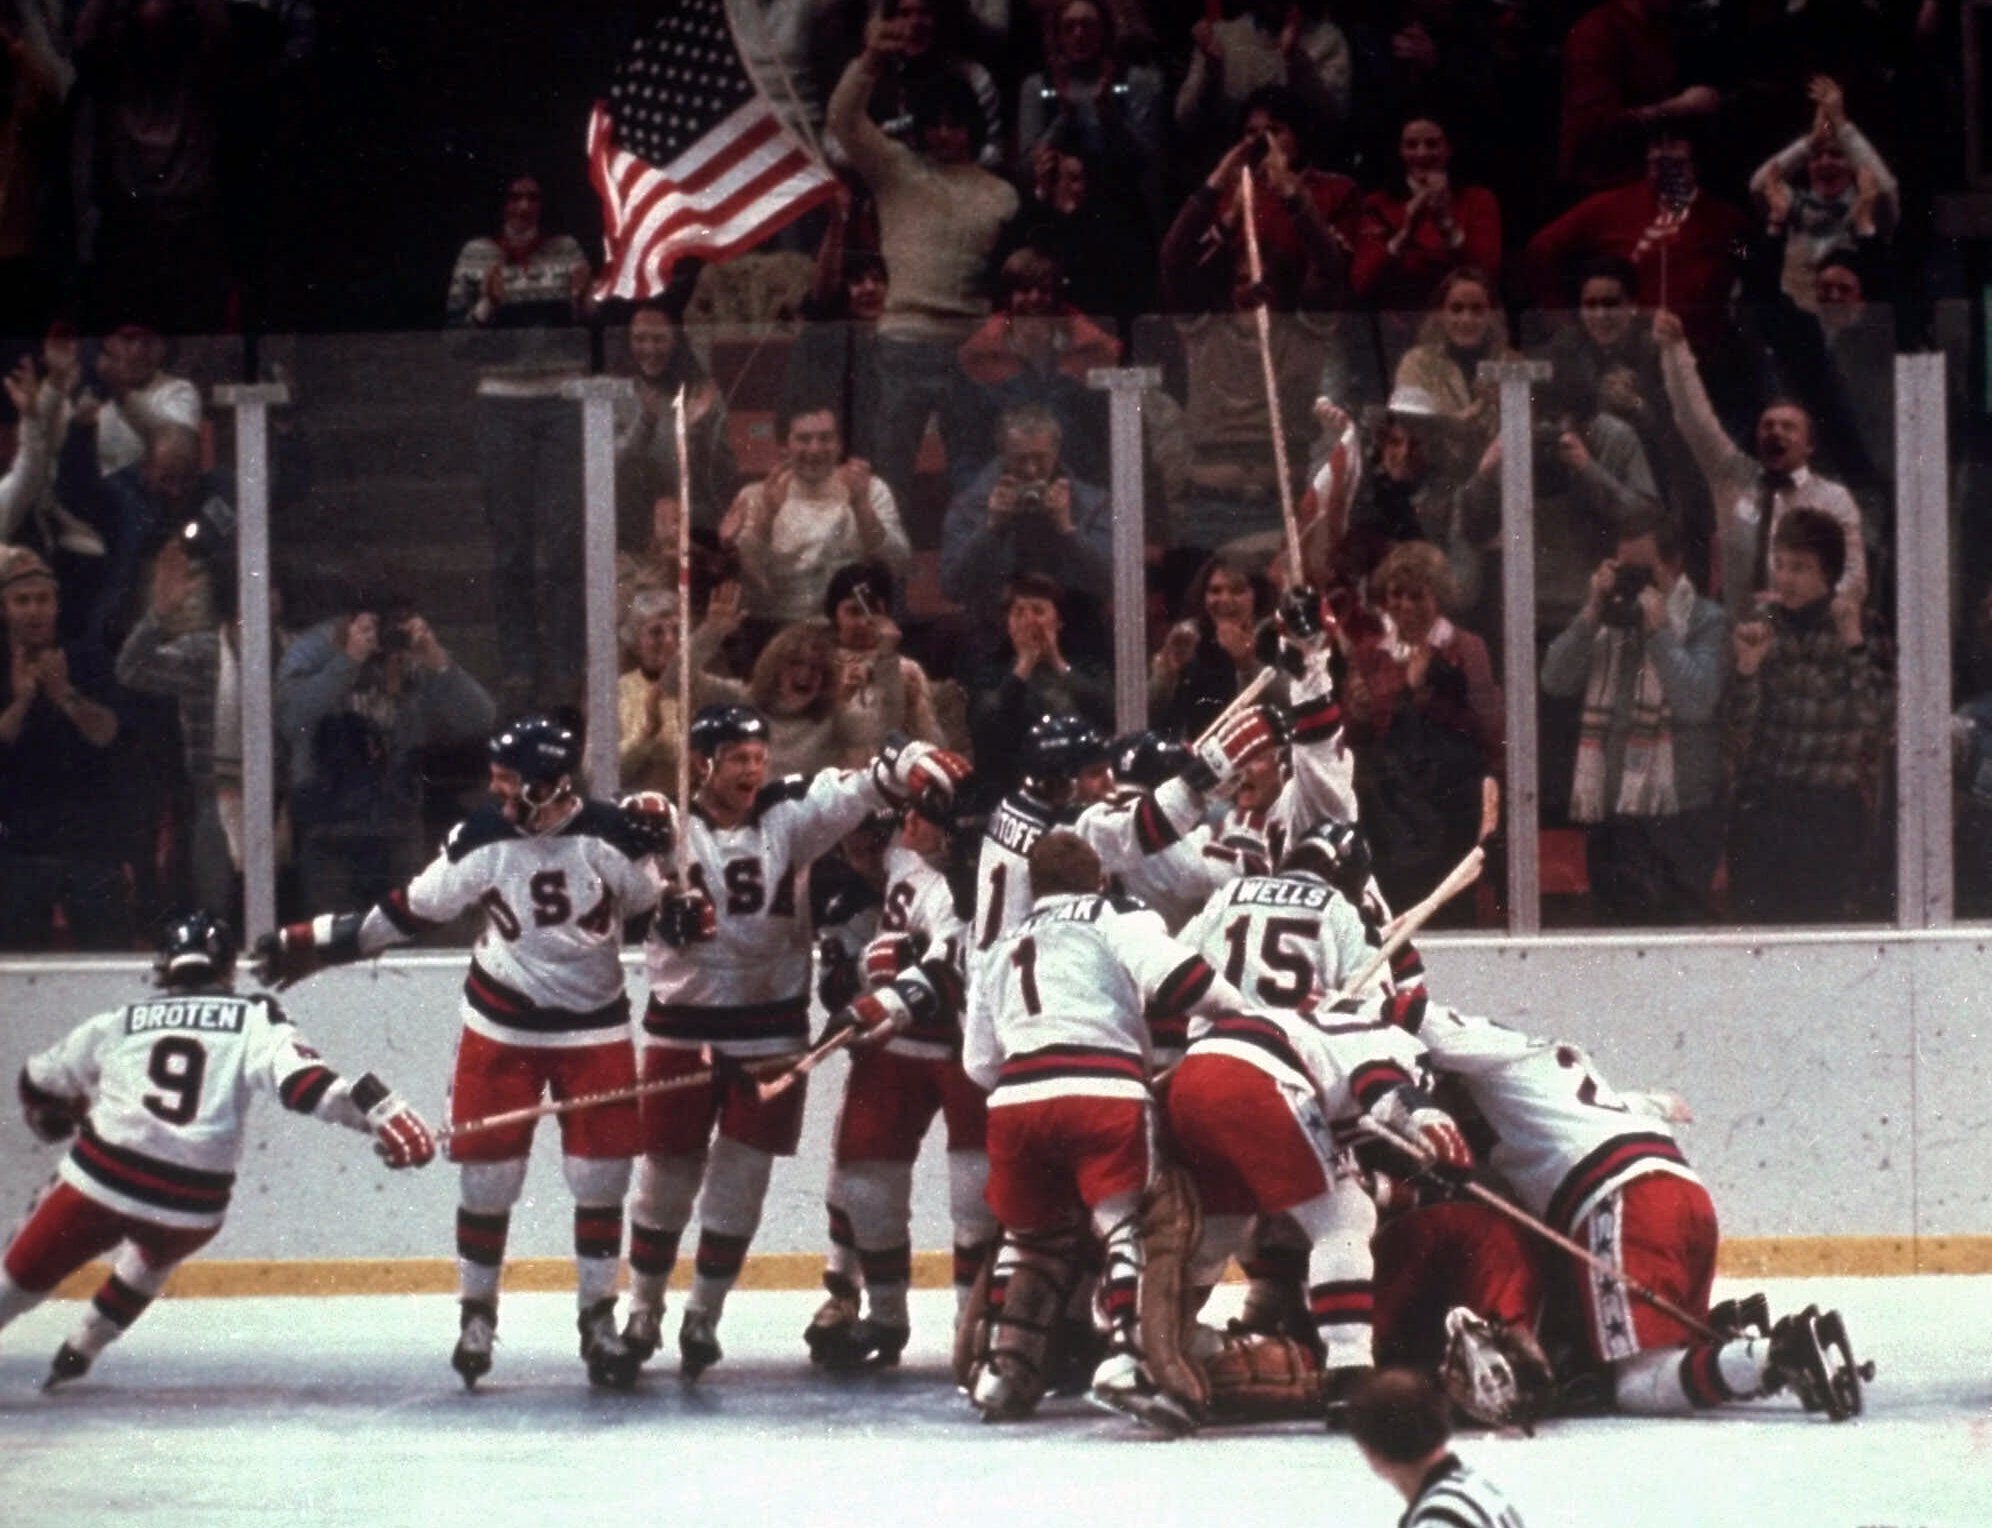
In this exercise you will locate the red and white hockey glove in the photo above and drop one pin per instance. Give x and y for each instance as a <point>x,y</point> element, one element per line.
<point>296,950</point>
<point>1409,1114</point>
<point>909,772</point>
<point>401,1136</point>
<point>652,822</point>
<point>878,1016</point>
<point>886,956</point>
<point>51,1116</point>
<point>686,917</point>
<point>1217,758</point>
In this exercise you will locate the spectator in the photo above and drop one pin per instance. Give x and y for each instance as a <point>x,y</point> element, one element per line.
<point>795,685</point>
<point>647,445</point>
<point>1077,213</point>
<point>1400,1420</point>
<point>940,217</point>
<point>806,519</point>
<point>1273,42</point>
<point>1024,513</point>
<point>1089,102</point>
<point>1680,241</point>
<point>933,56</point>
<point>31,515</point>
<point>1828,188</point>
<point>358,700</point>
<point>1210,655</point>
<point>1415,230</point>
<point>151,80</point>
<point>835,353</point>
<point>30,156</point>
<point>1426,725</point>
<point>1623,78</point>
<point>1396,498</point>
<point>142,398</point>
<point>883,691</point>
<point>1031,676</point>
<point>515,300</point>
<point>1648,656</point>
<point>58,841</point>
<point>1805,727</point>
<point>1753,493</point>
<point>200,670</point>
<point>650,722</point>
<point>1411,56</point>
<point>1036,349</point>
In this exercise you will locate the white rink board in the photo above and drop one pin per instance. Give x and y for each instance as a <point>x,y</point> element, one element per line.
<point>1838,1083</point>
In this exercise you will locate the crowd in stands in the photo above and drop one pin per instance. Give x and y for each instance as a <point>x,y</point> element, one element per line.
<point>1706,219</point>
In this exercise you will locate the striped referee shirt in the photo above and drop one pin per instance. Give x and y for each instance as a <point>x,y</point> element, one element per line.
<point>1454,1496</point>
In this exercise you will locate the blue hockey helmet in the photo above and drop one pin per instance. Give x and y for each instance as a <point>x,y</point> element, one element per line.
<point>1148,758</point>
<point>1335,851</point>
<point>716,726</point>
<point>1058,747</point>
<point>542,750</point>
<point>194,950</point>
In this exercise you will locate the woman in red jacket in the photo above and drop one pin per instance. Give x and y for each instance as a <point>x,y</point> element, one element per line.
<point>1422,225</point>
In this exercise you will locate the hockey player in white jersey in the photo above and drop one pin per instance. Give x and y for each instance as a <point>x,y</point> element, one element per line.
<point>545,1012</point>
<point>1058,1031</point>
<point>1606,1171</point>
<point>905,1070</point>
<point>729,977</point>
<point>157,1094</point>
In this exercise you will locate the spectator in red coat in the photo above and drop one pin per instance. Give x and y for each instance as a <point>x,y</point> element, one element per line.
<point>1681,242</point>
<point>1422,225</point>
<point>1622,78</point>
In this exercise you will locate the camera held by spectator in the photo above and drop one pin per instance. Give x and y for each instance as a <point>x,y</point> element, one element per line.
<point>1621,606</point>
<point>209,534</point>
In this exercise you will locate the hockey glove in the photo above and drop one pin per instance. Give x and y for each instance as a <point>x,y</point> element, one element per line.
<point>1305,618</point>
<point>50,1116</point>
<point>1410,1114</point>
<point>296,950</point>
<point>401,1136</point>
<point>686,917</point>
<point>1278,652</point>
<point>729,1073</point>
<point>652,826</point>
<point>878,1016</point>
<point>838,978</point>
<point>909,771</point>
<point>888,955</point>
<point>1233,743</point>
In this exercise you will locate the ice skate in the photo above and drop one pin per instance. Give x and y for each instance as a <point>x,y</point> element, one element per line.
<point>611,1365</point>
<point>1810,1353</point>
<point>643,1332</point>
<point>698,1344</point>
<point>479,1330</point>
<point>69,1363</point>
<point>1002,1392</point>
<point>830,1330</point>
<point>1123,1384</point>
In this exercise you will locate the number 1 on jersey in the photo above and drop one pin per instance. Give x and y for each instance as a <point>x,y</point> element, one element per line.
<point>1024,958</point>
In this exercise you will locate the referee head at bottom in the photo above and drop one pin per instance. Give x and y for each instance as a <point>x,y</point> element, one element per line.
<point>1400,1420</point>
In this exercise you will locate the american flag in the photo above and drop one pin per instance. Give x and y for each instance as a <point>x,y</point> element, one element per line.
<point>688,156</point>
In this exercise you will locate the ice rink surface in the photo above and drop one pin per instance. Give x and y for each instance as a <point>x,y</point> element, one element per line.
<point>344,1411</point>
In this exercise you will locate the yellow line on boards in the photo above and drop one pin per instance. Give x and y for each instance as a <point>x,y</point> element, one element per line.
<point>1752,1258</point>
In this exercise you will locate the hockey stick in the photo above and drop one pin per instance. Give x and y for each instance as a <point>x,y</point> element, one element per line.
<point>683,847</point>
<point>1415,917</point>
<point>822,1051</point>
<point>593,1100</point>
<point>1375,1128</point>
<point>1237,703</point>
<point>1262,317</point>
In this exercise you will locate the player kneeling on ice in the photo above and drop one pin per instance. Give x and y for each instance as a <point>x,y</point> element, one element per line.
<point>1602,1174</point>
<point>157,1094</point>
<point>545,1011</point>
<point>1058,1031</point>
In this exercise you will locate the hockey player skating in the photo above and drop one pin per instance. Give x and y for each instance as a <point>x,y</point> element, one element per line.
<point>1058,1031</point>
<point>157,1094</point>
<point>1611,1177</point>
<point>545,1011</point>
<point>729,963</point>
<point>906,1072</point>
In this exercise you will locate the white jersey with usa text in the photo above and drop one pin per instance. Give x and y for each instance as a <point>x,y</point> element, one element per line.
<point>547,968</point>
<point>1178,879</point>
<point>1066,1000</point>
<point>1554,1129</point>
<point>747,989</point>
<point>1321,776</point>
<point>920,901</point>
<point>1123,831</point>
<point>170,1082</point>
<point>1281,939</point>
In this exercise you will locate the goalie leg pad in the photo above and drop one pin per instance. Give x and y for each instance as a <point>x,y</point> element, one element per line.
<point>1032,1278</point>
<point>1171,1226</point>
<point>1256,1377</point>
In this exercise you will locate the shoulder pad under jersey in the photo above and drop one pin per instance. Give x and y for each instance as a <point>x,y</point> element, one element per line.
<point>1124,902</point>
<point>775,792</point>
<point>486,825</point>
<point>272,1009</point>
<point>608,822</point>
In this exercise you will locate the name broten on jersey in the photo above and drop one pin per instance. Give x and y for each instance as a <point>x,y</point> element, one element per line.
<point>186,1013</point>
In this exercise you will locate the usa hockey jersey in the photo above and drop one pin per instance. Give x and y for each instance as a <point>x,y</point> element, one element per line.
<point>920,902</point>
<point>170,1082</point>
<point>546,969</point>
<point>1557,1132</point>
<point>747,989</point>
<point>1066,999</point>
<point>1281,939</point>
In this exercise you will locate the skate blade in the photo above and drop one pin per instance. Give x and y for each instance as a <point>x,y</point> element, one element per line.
<point>1844,1397</point>
<point>1160,1412</point>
